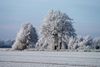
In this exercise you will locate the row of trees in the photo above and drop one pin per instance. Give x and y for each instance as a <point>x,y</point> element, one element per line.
<point>57,33</point>
<point>6,44</point>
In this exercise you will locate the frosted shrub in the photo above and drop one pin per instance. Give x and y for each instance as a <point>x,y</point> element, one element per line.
<point>96,44</point>
<point>71,43</point>
<point>80,42</point>
<point>85,43</point>
<point>26,37</point>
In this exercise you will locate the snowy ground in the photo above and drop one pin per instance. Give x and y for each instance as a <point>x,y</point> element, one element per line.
<point>49,59</point>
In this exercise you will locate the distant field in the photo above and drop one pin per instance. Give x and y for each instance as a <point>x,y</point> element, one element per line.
<point>49,59</point>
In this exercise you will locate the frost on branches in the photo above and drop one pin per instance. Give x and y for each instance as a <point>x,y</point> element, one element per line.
<point>26,37</point>
<point>56,31</point>
<point>80,43</point>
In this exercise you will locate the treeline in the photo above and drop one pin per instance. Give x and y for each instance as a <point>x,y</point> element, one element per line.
<point>57,33</point>
<point>6,44</point>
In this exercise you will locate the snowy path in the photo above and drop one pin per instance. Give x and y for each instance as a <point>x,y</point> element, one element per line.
<point>49,59</point>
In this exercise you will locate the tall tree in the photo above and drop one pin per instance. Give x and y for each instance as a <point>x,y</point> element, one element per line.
<point>56,31</point>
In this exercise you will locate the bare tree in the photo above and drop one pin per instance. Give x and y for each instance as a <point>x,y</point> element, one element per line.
<point>26,37</point>
<point>56,31</point>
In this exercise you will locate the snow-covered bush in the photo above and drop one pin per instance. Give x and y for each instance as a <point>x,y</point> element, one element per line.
<point>71,43</point>
<point>26,37</point>
<point>80,42</point>
<point>96,43</point>
<point>56,31</point>
<point>85,42</point>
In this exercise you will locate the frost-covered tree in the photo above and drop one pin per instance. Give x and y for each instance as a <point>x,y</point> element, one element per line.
<point>26,37</point>
<point>56,31</point>
<point>96,43</point>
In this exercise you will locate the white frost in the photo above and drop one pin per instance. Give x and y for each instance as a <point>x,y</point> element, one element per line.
<point>26,37</point>
<point>56,31</point>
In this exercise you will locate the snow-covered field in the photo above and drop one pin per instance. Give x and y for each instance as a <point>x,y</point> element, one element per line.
<point>49,59</point>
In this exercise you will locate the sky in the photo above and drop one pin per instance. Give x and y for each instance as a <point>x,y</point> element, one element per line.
<point>14,13</point>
